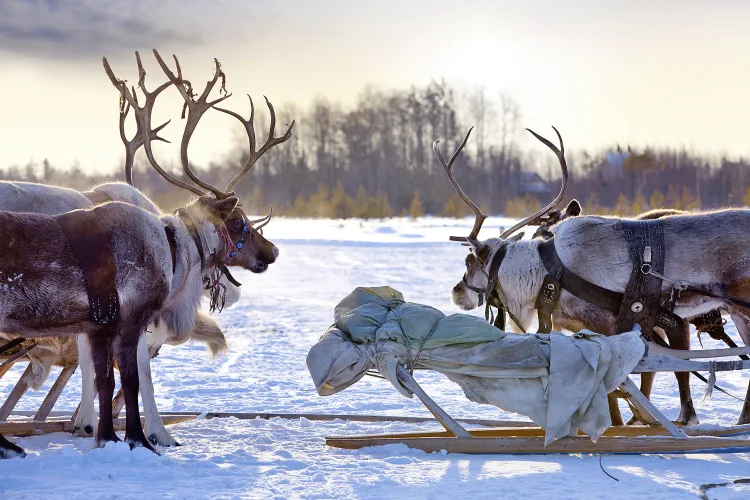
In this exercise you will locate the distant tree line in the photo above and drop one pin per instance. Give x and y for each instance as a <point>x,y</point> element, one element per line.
<point>375,160</point>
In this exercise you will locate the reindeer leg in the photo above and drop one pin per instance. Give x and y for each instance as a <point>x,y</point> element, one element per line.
<point>742,322</point>
<point>85,423</point>
<point>614,410</point>
<point>10,450</point>
<point>126,353</point>
<point>155,430</point>
<point>101,343</point>
<point>687,410</point>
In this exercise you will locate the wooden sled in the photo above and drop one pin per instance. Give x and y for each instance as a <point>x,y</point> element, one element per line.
<point>10,356</point>
<point>662,437</point>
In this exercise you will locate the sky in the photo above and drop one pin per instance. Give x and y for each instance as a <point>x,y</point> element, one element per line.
<point>673,73</point>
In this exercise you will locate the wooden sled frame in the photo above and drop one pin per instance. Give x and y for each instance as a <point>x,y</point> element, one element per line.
<point>23,423</point>
<point>662,436</point>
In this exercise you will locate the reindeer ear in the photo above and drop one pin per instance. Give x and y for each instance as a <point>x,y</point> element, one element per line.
<point>476,246</point>
<point>515,237</point>
<point>224,207</point>
<point>573,209</point>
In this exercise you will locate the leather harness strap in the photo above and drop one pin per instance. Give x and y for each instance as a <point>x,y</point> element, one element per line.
<point>94,257</point>
<point>188,221</point>
<point>97,197</point>
<point>645,240</point>
<point>571,282</point>
<point>493,300</point>
<point>647,313</point>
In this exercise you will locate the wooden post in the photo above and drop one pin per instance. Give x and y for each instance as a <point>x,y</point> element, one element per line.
<point>54,392</point>
<point>118,403</point>
<point>643,405</point>
<point>450,425</point>
<point>18,391</point>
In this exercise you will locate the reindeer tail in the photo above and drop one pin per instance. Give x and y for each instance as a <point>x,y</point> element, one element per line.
<point>207,330</point>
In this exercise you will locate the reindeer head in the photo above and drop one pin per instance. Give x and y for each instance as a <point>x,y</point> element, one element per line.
<point>478,281</point>
<point>227,235</point>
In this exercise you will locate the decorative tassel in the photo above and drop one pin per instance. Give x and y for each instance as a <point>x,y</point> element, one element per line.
<point>217,291</point>
<point>710,384</point>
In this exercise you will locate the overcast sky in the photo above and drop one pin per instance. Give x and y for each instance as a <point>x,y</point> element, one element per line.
<point>641,72</point>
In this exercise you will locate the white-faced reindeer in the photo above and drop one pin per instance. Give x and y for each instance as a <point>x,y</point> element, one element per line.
<point>595,249</point>
<point>160,262</point>
<point>49,351</point>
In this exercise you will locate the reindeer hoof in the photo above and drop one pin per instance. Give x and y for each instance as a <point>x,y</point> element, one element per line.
<point>681,421</point>
<point>140,443</point>
<point>12,453</point>
<point>164,442</point>
<point>10,450</point>
<point>87,431</point>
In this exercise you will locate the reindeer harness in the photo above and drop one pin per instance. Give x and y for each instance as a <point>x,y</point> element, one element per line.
<point>493,299</point>
<point>640,303</point>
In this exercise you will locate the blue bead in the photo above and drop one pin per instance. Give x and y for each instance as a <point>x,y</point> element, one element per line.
<point>233,254</point>
<point>246,229</point>
<point>239,245</point>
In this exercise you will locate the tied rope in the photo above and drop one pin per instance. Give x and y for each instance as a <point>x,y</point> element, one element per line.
<point>217,290</point>
<point>386,363</point>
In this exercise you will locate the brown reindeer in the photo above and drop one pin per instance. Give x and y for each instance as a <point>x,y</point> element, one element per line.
<point>61,351</point>
<point>160,261</point>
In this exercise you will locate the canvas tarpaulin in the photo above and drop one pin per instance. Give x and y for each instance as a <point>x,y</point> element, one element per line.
<point>560,382</point>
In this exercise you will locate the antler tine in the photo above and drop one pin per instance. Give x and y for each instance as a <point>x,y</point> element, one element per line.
<point>560,153</point>
<point>263,220</point>
<point>250,130</point>
<point>479,216</point>
<point>195,108</point>
<point>144,134</point>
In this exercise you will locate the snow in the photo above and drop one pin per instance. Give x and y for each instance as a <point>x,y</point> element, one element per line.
<point>281,314</point>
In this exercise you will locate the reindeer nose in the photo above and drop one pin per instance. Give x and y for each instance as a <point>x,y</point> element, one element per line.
<point>275,253</point>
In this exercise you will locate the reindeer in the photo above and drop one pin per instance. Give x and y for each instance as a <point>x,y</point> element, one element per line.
<point>710,323</point>
<point>60,351</point>
<point>160,260</point>
<point>594,248</point>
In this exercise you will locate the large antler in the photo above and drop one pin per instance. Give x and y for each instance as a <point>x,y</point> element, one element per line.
<point>144,134</point>
<point>195,110</point>
<point>250,130</point>
<point>479,216</point>
<point>560,153</point>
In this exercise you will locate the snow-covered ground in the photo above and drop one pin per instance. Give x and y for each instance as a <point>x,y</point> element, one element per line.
<point>282,313</point>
